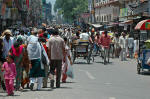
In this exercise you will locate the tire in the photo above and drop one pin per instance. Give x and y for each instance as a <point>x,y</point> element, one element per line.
<point>74,56</point>
<point>138,68</point>
<point>88,58</point>
<point>104,59</point>
<point>93,59</point>
<point>108,56</point>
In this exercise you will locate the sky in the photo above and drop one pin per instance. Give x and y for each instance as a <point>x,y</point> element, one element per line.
<point>52,2</point>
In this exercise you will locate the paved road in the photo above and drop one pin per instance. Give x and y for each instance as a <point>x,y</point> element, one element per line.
<point>117,80</point>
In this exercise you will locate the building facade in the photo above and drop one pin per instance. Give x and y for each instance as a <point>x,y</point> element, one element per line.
<point>121,14</point>
<point>132,12</point>
<point>23,13</point>
<point>106,11</point>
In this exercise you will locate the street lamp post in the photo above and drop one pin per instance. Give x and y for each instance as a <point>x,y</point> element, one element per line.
<point>149,6</point>
<point>93,11</point>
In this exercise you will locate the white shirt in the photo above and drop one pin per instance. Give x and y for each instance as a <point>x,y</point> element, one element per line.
<point>130,42</point>
<point>84,36</point>
<point>7,46</point>
<point>123,42</point>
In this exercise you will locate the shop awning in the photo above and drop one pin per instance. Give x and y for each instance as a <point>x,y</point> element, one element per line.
<point>97,25</point>
<point>127,22</point>
<point>143,25</point>
<point>113,23</point>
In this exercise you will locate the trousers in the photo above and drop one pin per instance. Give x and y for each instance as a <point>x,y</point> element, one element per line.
<point>46,77</point>
<point>39,82</point>
<point>9,83</point>
<point>56,64</point>
<point>123,54</point>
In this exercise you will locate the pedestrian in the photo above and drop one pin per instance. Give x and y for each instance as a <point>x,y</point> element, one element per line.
<point>123,45</point>
<point>17,51</point>
<point>97,42</point>
<point>46,67</point>
<point>35,52</point>
<point>25,61</point>
<point>8,42</point>
<point>56,53</point>
<point>105,45</point>
<point>116,45</point>
<point>67,62</point>
<point>84,37</point>
<point>9,75</point>
<point>1,62</point>
<point>130,45</point>
<point>136,47</point>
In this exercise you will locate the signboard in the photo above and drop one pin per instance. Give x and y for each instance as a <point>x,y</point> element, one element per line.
<point>85,15</point>
<point>123,12</point>
<point>147,25</point>
<point>3,9</point>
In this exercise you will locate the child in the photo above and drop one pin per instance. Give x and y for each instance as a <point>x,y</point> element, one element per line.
<point>9,69</point>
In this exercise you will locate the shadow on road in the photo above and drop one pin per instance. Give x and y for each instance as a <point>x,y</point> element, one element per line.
<point>65,88</point>
<point>8,96</point>
<point>110,63</point>
<point>70,82</point>
<point>145,73</point>
<point>28,90</point>
<point>82,63</point>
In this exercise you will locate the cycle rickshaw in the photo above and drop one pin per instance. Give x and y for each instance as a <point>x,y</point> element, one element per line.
<point>144,53</point>
<point>81,49</point>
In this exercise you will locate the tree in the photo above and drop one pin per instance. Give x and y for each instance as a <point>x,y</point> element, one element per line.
<point>70,9</point>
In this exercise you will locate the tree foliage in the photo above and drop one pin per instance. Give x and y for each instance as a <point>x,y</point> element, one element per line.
<point>70,9</point>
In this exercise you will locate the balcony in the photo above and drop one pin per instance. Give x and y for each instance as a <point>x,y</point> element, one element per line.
<point>105,3</point>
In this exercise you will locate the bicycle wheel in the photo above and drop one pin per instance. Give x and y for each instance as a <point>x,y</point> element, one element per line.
<point>103,56</point>
<point>108,56</point>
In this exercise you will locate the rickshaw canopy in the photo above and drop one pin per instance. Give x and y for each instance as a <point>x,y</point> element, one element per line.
<point>143,25</point>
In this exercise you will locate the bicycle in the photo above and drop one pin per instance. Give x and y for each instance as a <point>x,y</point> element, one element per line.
<point>105,53</point>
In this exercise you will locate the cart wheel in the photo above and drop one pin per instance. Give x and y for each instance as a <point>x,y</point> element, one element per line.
<point>104,59</point>
<point>139,68</point>
<point>74,56</point>
<point>93,59</point>
<point>88,58</point>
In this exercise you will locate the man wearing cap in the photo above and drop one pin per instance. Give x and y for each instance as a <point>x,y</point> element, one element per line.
<point>8,42</point>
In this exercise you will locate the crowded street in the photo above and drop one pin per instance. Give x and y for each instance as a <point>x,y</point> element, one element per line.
<point>117,80</point>
<point>74,49</point>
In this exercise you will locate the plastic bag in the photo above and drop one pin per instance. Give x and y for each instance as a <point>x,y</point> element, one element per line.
<point>70,71</point>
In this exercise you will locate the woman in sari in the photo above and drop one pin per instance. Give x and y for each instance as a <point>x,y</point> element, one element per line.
<point>17,51</point>
<point>67,62</point>
<point>26,62</point>
<point>35,51</point>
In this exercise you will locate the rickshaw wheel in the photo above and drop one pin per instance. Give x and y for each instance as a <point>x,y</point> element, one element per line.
<point>139,68</point>
<point>88,58</point>
<point>74,56</point>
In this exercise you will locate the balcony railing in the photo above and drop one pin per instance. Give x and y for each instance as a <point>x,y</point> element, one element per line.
<point>104,3</point>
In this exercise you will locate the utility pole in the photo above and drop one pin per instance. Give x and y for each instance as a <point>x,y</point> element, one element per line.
<point>149,6</point>
<point>93,11</point>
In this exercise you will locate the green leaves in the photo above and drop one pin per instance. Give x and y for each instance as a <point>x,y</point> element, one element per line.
<point>70,9</point>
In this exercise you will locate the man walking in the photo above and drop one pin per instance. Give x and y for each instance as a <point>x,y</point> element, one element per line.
<point>56,51</point>
<point>123,45</point>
